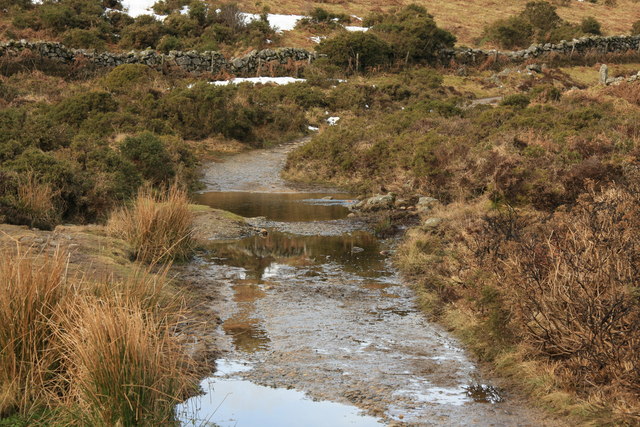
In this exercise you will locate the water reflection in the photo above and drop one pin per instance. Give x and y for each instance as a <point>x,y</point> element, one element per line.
<point>289,207</point>
<point>357,252</point>
<point>235,402</point>
<point>245,330</point>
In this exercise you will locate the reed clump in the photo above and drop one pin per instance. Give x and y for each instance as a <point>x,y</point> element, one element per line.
<point>93,353</point>
<point>158,226</point>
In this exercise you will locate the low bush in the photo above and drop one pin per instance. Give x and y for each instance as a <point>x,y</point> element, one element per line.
<point>537,22</point>
<point>413,35</point>
<point>356,51</point>
<point>590,25</point>
<point>510,33</point>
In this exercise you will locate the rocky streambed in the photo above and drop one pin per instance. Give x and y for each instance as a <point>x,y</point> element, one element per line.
<point>316,327</point>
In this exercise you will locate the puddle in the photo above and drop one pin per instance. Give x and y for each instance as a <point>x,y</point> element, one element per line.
<point>247,335</point>
<point>268,257</point>
<point>290,207</point>
<point>484,393</point>
<point>236,402</point>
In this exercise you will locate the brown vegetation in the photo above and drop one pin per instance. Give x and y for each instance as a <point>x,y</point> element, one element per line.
<point>94,353</point>
<point>157,226</point>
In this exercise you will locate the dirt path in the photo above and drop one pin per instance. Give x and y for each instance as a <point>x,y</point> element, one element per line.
<point>317,307</point>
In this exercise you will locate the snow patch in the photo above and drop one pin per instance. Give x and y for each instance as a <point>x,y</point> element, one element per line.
<point>355,29</point>
<point>279,22</point>
<point>333,120</point>
<point>260,80</point>
<point>139,7</point>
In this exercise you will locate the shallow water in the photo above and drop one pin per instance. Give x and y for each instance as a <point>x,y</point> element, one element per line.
<point>317,325</point>
<point>287,207</point>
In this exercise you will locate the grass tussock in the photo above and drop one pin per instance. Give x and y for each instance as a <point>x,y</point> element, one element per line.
<point>88,353</point>
<point>158,227</point>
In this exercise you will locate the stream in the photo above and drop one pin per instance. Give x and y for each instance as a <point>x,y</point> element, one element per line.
<point>317,327</point>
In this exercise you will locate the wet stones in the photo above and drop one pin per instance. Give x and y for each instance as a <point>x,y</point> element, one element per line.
<point>376,203</point>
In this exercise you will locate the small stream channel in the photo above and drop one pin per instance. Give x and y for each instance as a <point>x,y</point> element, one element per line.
<point>317,326</point>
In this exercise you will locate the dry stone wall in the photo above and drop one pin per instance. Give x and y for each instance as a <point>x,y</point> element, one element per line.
<point>264,60</point>
<point>574,48</point>
<point>189,61</point>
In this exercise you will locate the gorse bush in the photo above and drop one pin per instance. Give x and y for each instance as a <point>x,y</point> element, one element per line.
<point>409,35</point>
<point>94,148</point>
<point>413,35</point>
<point>97,24</point>
<point>538,22</point>
<point>357,51</point>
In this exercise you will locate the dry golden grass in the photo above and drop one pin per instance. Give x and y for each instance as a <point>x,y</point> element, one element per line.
<point>124,365</point>
<point>465,18</point>
<point>32,297</point>
<point>36,200</point>
<point>158,227</point>
<point>93,353</point>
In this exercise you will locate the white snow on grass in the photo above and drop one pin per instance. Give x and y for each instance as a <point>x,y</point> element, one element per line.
<point>139,7</point>
<point>354,29</point>
<point>314,129</point>
<point>317,39</point>
<point>333,120</point>
<point>260,80</point>
<point>257,80</point>
<point>278,22</point>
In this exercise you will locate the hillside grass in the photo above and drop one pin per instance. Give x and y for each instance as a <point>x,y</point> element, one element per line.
<point>466,19</point>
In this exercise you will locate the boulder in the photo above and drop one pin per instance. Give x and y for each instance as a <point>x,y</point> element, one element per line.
<point>431,223</point>
<point>604,74</point>
<point>426,204</point>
